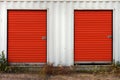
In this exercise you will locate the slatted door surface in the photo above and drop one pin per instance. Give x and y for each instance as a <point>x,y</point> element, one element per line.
<point>25,31</point>
<point>93,31</point>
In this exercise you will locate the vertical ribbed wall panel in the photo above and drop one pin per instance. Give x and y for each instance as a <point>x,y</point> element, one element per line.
<point>3,27</point>
<point>56,33</point>
<point>69,59</point>
<point>60,25</point>
<point>118,35</point>
<point>50,33</point>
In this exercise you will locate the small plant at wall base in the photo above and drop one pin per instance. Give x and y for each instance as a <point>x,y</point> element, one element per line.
<point>3,63</point>
<point>49,70</point>
<point>115,68</point>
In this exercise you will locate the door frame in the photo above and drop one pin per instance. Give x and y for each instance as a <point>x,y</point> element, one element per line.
<point>95,62</point>
<point>31,63</point>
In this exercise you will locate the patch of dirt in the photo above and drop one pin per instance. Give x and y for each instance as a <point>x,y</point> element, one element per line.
<point>85,76</point>
<point>19,76</point>
<point>75,76</point>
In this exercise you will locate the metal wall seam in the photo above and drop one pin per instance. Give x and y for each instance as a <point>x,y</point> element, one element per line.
<point>56,34</point>
<point>115,34</point>
<point>118,36</point>
<point>118,7</point>
<point>58,24</point>
<point>59,0</point>
<point>50,33</point>
<point>0,27</point>
<point>63,32</point>
<point>71,34</point>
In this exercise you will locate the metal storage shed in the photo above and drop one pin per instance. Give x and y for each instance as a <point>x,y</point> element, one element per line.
<point>61,21</point>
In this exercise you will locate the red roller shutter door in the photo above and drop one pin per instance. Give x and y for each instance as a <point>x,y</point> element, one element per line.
<point>93,31</point>
<point>25,31</point>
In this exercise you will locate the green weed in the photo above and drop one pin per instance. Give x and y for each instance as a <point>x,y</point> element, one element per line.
<point>3,63</point>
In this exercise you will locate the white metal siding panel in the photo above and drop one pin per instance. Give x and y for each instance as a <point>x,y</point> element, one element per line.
<point>59,0</point>
<point>118,30</point>
<point>3,27</point>
<point>60,25</point>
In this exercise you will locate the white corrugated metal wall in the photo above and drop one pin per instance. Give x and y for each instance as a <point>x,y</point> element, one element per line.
<point>60,25</point>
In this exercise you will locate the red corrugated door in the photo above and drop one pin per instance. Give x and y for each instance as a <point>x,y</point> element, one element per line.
<point>93,36</point>
<point>26,36</point>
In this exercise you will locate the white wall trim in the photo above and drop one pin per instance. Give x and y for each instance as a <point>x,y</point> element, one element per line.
<point>59,0</point>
